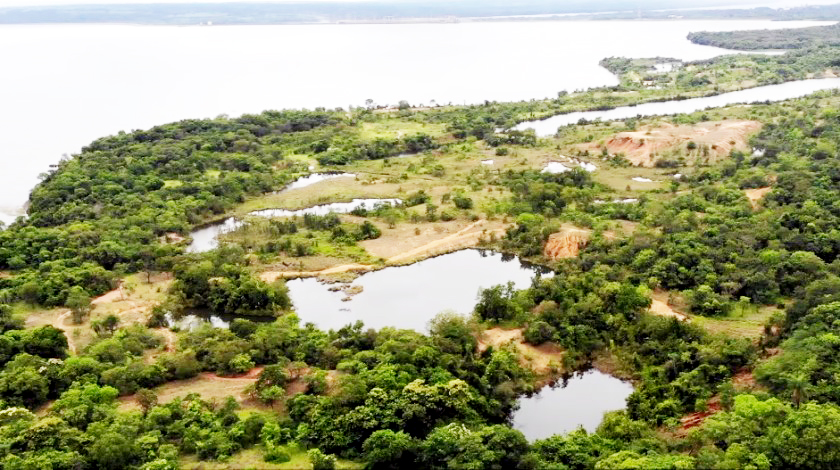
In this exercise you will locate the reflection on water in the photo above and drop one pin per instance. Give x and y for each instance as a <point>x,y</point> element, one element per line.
<point>314,178</point>
<point>191,321</point>
<point>409,296</point>
<point>324,209</point>
<point>579,402</point>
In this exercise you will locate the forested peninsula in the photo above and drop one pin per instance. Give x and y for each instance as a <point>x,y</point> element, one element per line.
<point>693,255</point>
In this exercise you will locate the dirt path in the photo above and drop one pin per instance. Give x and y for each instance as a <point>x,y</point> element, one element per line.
<point>169,337</point>
<point>59,323</point>
<point>756,195</point>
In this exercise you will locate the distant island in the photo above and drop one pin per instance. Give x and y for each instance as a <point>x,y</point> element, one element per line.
<point>408,12</point>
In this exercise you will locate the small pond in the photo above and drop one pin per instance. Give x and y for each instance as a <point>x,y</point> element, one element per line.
<point>206,238</point>
<point>582,400</point>
<point>780,92</point>
<point>191,321</point>
<point>314,178</point>
<point>324,209</point>
<point>409,296</point>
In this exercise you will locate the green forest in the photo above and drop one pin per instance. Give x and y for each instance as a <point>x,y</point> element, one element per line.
<point>727,220</point>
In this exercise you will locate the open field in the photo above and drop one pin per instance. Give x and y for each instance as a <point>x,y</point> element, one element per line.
<point>748,324</point>
<point>545,359</point>
<point>209,386</point>
<point>252,458</point>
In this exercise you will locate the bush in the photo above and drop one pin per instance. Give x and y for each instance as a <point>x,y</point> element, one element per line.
<point>320,460</point>
<point>462,202</point>
<point>539,332</point>
<point>276,454</point>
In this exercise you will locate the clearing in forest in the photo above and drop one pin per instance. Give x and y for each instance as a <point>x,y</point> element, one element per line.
<point>545,359</point>
<point>662,309</point>
<point>712,140</point>
<point>210,386</point>
<point>756,195</point>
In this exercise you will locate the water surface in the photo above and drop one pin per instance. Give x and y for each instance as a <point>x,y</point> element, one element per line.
<point>409,296</point>
<point>581,402</point>
<point>780,92</point>
<point>63,86</point>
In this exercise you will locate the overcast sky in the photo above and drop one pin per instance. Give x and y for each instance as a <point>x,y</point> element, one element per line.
<point>16,3</point>
<point>19,3</point>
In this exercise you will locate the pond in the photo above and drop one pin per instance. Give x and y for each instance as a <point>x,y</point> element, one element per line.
<point>409,296</point>
<point>579,402</point>
<point>780,92</point>
<point>191,321</point>
<point>314,178</point>
<point>206,238</point>
<point>324,209</point>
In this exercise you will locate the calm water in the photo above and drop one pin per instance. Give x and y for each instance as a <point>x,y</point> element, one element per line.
<point>783,91</point>
<point>63,86</point>
<point>581,402</point>
<point>409,296</point>
<point>206,238</point>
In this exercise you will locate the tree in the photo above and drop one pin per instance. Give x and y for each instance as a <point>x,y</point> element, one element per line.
<point>496,303</point>
<point>386,449</point>
<point>78,300</point>
<point>147,399</point>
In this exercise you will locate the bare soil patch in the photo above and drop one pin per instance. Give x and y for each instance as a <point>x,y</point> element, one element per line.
<point>714,140</point>
<point>442,242</point>
<point>210,386</point>
<point>545,359</point>
<point>172,238</point>
<point>696,419</point>
<point>271,276</point>
<point>658,307</point>
<point>756,195</point>
<point>566,243</point>
<point>744,380</point>
<point>134,299</point>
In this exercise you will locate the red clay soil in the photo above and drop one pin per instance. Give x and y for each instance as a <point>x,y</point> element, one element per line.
<point>566,243</point>
<point>694,420</point>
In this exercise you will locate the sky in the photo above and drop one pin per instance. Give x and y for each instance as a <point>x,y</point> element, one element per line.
<point>17,3</point>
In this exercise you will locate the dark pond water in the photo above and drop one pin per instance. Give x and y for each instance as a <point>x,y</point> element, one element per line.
<point>581,401</point>
<point>409,296</point>
<point>783,91</point>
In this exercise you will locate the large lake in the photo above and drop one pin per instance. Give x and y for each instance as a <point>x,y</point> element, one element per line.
<point>63,86</point>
